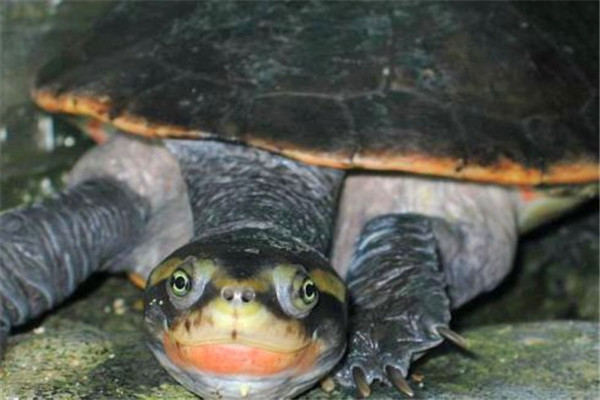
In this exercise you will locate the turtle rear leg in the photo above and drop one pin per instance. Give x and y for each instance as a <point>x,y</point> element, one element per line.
<point>423,248</point>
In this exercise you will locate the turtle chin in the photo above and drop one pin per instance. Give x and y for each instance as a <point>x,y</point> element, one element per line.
<point>302,371</point>
<point>217,353</point>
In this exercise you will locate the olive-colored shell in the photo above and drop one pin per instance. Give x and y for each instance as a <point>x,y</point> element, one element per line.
<point>489,91</point>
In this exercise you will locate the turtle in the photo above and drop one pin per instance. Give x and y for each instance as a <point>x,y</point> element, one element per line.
<point>307,189</point>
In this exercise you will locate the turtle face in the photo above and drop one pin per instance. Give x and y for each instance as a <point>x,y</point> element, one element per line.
<point>245,321</point>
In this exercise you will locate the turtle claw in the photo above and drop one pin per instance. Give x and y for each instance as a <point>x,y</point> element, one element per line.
<point>361,382</point>
<point>397,379</point>
<point>399,303</point>
<point>452,336</point>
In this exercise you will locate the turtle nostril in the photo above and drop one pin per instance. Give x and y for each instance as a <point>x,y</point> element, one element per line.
<point>248,295</point>
<point>237,294</point>
<point>227,293</point>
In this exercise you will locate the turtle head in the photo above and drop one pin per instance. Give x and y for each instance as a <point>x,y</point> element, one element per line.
<point>236,321</point>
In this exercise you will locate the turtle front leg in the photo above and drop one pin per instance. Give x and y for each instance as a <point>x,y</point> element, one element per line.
<point>398,298</point>
<point>127,208</point>
<point>411,249</point>
<point>47,249</point>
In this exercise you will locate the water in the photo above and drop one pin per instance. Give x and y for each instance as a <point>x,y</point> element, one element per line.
<point>35,149</point>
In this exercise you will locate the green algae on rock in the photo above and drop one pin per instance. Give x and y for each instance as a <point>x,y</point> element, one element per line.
<point>91,348</point>
<point>70,357</point>
<point>544,360</point>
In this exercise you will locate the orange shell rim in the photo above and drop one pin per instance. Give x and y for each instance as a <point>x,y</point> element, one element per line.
<point>503,172</point>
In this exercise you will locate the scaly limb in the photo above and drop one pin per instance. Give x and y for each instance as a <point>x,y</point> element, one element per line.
<point>399,301</point>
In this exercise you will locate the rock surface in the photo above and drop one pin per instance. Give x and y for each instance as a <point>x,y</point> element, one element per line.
<point>94,348</point>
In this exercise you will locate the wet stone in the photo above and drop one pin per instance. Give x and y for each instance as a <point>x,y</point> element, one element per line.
<point>91,349</point>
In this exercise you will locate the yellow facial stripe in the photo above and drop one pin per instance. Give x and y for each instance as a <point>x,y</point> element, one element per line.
<point>259,284</point>
<point>328,282</point>
<point>166,269</point>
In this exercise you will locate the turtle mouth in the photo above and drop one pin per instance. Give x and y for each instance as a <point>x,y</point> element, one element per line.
<point>229,343</point>
<point>228,369</point>
<point>226,357</point>
<point>242,358</point>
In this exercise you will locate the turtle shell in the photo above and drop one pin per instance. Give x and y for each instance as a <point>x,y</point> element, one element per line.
<point>494,92</point>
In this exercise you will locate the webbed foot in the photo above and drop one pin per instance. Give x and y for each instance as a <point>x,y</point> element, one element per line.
<point>399,304</point>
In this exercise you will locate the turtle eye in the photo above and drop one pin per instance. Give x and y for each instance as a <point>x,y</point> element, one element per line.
<point>308,292</point>
<point>305,293</point>
<point>296,292</point>
<point>180,283</point>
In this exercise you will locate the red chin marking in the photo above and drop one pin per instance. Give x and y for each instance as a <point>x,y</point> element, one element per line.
<point>237,359</point>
